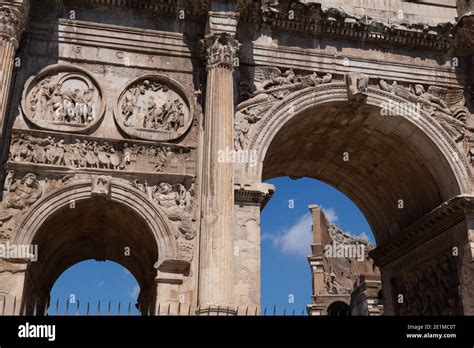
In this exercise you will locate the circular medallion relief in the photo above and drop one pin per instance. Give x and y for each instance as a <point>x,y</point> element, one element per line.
<point>153,107</point>
<point>63,98</point>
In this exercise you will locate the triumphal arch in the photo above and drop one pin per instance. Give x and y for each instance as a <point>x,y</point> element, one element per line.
<point>143,132</point>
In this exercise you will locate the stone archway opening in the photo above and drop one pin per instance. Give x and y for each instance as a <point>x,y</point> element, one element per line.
<point>92,287</point>
<point>385,164</point>
<point>389,166</point>
<point>94,228</point>
<point>338,309</point>
<point>293,243</point>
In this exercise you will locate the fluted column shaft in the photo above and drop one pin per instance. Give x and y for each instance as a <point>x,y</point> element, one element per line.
<point>216,261</point>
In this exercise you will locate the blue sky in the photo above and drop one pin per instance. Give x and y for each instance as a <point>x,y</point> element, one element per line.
<point>286,240</point>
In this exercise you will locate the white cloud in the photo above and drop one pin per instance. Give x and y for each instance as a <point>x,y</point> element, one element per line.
<point>331,215</point>
<point>295,240</point>
<point>134,292</point>
<point>364,235</point>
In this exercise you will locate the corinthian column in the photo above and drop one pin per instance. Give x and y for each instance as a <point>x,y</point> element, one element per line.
<point>13,18</point>
<point>217,228</point>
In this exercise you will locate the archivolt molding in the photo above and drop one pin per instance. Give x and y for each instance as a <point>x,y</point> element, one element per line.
<point>166,233</point>
<point>278,111</point>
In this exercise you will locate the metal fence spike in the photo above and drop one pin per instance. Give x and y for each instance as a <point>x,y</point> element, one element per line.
<point>169,308</point>
<point>4,305</point>
<point>98,308</point>
<point>274,309</point>
<point>77,308</point>
<point>46,307</point>
<point>256,310</point>
<point>14,305</point>
<point>34,307</point>
<point>159,307</point>
<point>57,307</point>
<point>247,311</point>
<point>129,307</point>
<point>284,311</point>
<point>265,311</point>
<point>67,306</point>
<point>119,308</point>
<point>108,309</point>
<point>25,305</point>
<point>87,313</point>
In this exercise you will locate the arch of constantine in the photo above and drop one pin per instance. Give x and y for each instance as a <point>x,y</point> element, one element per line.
<point>144,132</point>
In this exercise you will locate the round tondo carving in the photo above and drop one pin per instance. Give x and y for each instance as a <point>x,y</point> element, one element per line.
<point>153,107</point>
<point>63,98</point>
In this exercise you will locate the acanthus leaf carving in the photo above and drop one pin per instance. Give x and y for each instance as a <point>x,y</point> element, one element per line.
<point>13,20</point>
<point>220,50</point>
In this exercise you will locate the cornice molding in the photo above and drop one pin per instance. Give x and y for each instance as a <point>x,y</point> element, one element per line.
<point>316,22</point>
<point>445,216</point>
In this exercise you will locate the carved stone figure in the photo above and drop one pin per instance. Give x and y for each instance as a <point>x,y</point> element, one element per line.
<point>445,105</point>
<point>271,86</point>
<point>19,194</point>
<point>88,154</point>
<point>357,84</point>
<point>63,98</point>
<point>153,108</point>
<point>430,289</point>
<point>175,202</point>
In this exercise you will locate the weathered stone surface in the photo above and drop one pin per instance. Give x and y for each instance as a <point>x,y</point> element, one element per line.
<point>114,116</point>
<point>338,263</point>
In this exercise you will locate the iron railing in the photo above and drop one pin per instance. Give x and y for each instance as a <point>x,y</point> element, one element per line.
<point>9,305</point>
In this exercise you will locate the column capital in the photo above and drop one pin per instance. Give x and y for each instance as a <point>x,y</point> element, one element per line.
<point>220,50</point>
<point>13,19</point>
<point>254,193</point>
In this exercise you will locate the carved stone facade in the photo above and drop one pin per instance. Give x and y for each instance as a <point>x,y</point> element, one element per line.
<point>153,108</point>
<point>63,98</point>
<point>118,126</point>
